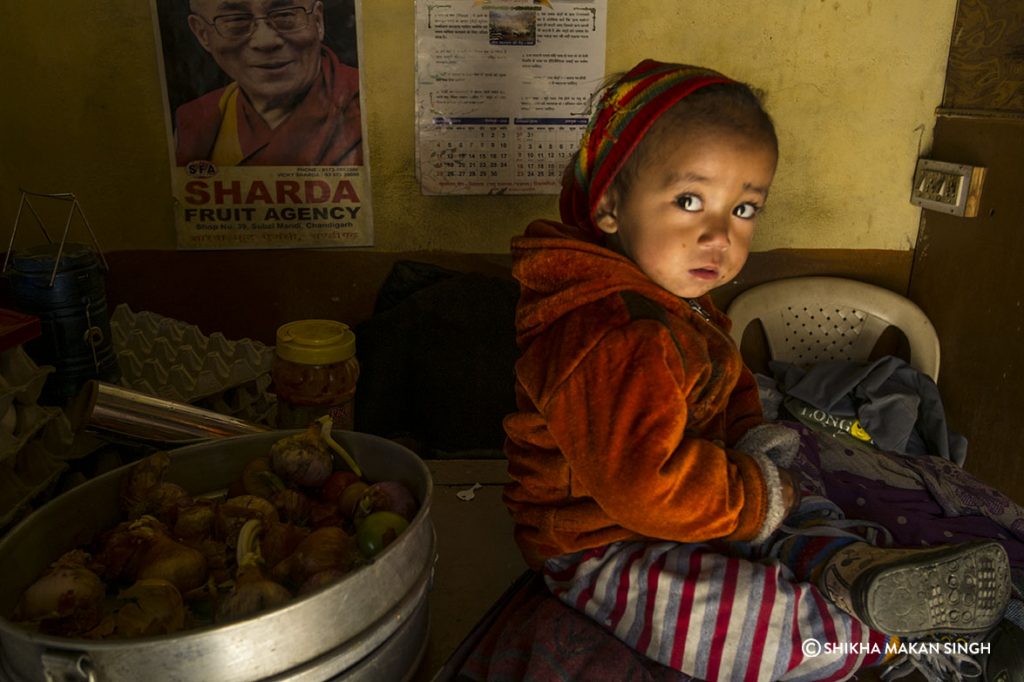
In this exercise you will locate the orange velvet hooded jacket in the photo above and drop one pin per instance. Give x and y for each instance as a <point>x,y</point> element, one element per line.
<point>625,413</point>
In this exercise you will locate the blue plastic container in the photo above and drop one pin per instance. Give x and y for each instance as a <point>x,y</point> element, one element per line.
<point>73,313</point>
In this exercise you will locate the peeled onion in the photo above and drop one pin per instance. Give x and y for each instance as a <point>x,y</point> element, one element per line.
<point>67,600</point>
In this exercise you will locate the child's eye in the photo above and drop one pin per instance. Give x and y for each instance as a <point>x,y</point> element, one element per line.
<point>747,210</point>
<point>690,202</point>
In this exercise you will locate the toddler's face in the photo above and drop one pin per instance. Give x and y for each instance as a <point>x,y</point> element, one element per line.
<point>690,211</point>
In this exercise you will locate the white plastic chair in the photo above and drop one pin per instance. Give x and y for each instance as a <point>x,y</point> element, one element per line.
<point>810,319</point>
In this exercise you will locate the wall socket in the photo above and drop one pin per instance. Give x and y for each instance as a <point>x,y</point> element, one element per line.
<point>951,188</point>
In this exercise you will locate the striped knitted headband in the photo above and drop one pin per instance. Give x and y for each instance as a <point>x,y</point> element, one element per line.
<point>624,113</point>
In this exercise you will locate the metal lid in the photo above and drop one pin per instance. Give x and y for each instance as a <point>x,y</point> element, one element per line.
<point>315,342</point>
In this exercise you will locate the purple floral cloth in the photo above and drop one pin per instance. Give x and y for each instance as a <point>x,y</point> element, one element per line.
<point>919,499</point>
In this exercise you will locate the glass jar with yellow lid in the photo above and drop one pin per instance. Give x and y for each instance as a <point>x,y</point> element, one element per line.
<point>314,373</point>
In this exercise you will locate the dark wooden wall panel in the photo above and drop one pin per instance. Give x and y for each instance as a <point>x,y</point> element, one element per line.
<point>248,294</point>
<point>968,277</point>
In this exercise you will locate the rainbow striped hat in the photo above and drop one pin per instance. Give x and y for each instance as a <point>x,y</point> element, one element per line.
<point>624,113</point>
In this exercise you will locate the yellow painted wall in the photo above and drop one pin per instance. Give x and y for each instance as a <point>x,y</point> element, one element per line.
<point>852,83</point>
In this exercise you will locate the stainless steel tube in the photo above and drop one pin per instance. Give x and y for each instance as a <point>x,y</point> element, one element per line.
<point>139,415</point>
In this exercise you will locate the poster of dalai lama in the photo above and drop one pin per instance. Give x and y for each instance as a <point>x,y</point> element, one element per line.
<point>265,128</point>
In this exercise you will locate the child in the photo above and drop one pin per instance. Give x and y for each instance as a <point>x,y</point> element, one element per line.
<point>637,436</point>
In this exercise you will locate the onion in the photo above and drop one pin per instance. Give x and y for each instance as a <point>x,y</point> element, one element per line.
<point>293,506</point>
<point>302,459</point>
<point>323,514</point>
<point>119,551</point>
<point>144,474</point>
<point>67,600</point>
<point>195,522</point>
<point>280,540</point>
<point>259,480</point>
<point>390,496</point>
<point>348,502</point>
<point>235,511</point>
<point>178,564</point>
<point>253,593</point>
<point>145,492</point>
<point>325,548</point>
<point>320,580</point>
<point>150,607</point>
<point>164,501</point>
<point>335,485</point>
<point>251,506</point>
<point>218,564</point>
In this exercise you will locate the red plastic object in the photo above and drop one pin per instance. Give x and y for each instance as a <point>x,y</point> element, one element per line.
<point>17,328</point>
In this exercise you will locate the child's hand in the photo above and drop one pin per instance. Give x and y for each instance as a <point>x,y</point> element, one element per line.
<point>790,490</point>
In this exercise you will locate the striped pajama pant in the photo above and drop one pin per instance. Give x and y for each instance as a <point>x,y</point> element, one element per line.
<point>715,615</point>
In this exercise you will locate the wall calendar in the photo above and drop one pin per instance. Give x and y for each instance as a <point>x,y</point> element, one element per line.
<point>503,91</point>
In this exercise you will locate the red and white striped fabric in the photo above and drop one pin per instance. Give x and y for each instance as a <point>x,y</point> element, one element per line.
<point>712,616</point>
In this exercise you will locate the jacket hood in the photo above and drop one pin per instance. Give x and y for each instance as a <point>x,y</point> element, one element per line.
<point>561,268</point>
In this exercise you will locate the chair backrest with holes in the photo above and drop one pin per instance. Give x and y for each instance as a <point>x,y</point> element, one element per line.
<point>810,319</point>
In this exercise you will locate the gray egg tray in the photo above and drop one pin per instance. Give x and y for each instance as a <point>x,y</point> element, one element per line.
<point>174,360</point>
<point>35,440</point>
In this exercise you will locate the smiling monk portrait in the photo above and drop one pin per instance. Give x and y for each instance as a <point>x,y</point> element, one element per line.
<point>290,102</point>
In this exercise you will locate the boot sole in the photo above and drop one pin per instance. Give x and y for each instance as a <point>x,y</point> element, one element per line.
<point>962,589</point>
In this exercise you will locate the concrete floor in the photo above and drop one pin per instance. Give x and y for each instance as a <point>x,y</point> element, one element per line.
<point>477,559</point>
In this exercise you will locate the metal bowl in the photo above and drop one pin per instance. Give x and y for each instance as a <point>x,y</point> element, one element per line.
<point>371,624</point>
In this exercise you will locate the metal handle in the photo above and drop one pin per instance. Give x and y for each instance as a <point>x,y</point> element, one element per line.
<point>67,666</point>
<point>93,336</point>
<point>62,196</point>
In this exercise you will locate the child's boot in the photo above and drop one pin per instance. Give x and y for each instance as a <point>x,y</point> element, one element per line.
<point>911,593</point>
<point>1004,659</point>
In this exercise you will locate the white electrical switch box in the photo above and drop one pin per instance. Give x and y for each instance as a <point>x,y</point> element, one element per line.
<point>951,188</point>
